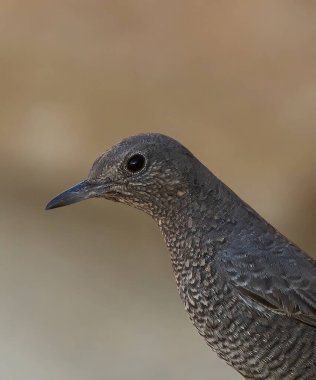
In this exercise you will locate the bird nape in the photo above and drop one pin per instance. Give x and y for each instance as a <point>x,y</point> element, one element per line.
<point>248,290</point>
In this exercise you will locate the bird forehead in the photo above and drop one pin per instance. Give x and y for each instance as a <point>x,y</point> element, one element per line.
<point>112,158</point>
<point>104,164</point>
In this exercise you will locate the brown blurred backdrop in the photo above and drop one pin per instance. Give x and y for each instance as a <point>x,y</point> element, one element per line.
<point>87,292</point>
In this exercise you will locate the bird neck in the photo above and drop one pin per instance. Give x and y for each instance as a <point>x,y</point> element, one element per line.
<point>198,222</point>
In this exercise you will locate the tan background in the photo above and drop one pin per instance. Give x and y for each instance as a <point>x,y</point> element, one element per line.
<point>87,292</point>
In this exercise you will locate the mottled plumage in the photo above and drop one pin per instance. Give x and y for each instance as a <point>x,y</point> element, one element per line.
<point>249,291</point>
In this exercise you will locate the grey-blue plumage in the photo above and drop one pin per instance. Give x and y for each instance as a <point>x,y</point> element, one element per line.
<point>250,292</point>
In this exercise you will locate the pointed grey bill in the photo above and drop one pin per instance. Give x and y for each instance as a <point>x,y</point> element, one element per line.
<point>77,193</point>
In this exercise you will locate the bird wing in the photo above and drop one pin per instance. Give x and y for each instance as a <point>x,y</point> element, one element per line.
<point>281,278</point>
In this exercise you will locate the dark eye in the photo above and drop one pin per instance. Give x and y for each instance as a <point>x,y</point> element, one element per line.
<point>136,163</point>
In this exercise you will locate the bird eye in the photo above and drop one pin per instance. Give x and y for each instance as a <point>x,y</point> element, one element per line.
<point>135,163</point>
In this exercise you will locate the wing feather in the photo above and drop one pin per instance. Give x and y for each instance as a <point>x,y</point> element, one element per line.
<point>279,277</point>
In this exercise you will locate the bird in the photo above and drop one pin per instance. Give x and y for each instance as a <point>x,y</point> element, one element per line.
<point>249,291</point>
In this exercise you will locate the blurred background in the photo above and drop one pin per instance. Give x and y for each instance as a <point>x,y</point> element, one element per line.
<point>87,291</point>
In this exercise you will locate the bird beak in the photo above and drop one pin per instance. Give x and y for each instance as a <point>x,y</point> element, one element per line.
<point>77,193</point>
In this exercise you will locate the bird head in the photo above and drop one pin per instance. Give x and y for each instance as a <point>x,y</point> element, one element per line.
<point>147,171</point>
